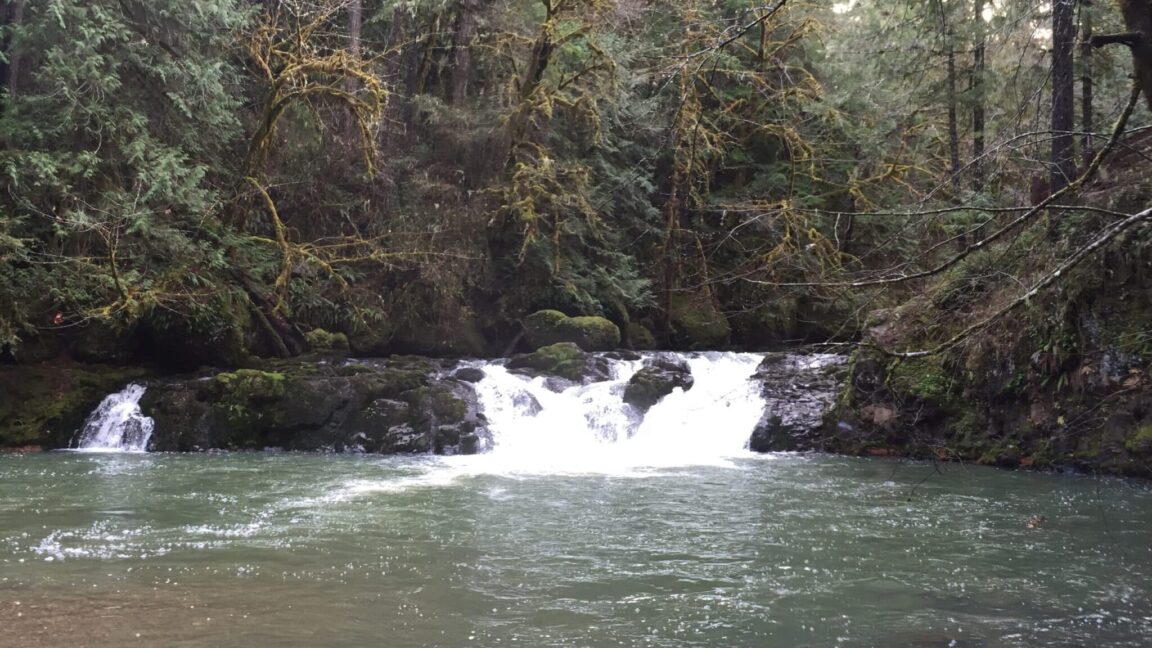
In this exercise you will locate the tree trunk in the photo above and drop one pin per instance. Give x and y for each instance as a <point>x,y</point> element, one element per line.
<point>1086,87</point>
<point>1138,19</point>
<point>538,62</point>
<point>11,15</point>
<point>467,17</point>
<point>950,97</point>
<point>1063,99</point>
<point>355,28</point>
<point>978,98</point>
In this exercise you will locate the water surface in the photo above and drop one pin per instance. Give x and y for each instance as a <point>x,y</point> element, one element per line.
<point>263,550</point>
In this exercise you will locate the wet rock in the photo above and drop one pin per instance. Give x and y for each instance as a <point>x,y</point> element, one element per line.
<point>384,426</point>
<point>386,407</point>
<point>659,376</point>
<point>799,392</point>
<point>469,374</point>
<point>563,360</point>
<point>526,404</point>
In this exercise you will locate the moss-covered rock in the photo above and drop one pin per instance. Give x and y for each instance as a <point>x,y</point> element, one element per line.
<point>656,380</point>
<point>593,333</point>
<point>564,360</point>
<point>325,342</point>
<point>543,328</point>
<point>590,333</point>
<point>696,322</point>
<point>245,386</point>
<point>399,405</point>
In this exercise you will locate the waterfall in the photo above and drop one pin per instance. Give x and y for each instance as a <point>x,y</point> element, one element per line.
<point>539,426</point>
<point>117,425</point>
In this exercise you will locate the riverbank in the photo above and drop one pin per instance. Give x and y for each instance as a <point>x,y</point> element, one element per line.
<point>412,404</point>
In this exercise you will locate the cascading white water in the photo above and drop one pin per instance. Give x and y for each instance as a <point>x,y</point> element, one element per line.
<point>588,428</point>
<point>117,424</point>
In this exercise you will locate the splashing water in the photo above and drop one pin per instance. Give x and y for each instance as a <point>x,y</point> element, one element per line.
<point>590,429</point>
<point>117,424</point>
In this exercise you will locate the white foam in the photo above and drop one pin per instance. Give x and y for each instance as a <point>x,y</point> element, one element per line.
<point>590,430</point>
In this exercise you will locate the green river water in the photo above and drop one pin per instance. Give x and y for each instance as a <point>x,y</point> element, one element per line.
<point>263,550</point>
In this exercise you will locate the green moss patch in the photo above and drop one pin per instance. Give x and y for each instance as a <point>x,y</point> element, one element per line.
<point>1140,441</point>
<point>590,333</point>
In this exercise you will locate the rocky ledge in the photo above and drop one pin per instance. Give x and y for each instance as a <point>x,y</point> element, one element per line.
<point>399,405</point>
<point>799,393</point>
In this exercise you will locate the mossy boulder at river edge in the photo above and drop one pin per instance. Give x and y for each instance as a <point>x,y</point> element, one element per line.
<point>561,360</point>
<point>590,333</point>
<point>400,405</point>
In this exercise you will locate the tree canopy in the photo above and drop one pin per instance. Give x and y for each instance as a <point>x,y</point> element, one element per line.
<point>206,181</point>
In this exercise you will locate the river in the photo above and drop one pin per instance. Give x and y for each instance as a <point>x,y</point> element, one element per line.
<point>585,525</point>
<point>781,550</point>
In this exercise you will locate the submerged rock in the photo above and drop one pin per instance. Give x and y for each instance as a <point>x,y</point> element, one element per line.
<point>799,391</point>
<point>659,376</point>
<point>386,407</point>
<point>549,327</point>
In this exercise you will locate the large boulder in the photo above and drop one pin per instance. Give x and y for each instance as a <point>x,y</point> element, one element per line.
<point>396,406</point>
<point>799,391</point>
<point>562,360</point>
<point>659,376</point>
<point>548,327</point>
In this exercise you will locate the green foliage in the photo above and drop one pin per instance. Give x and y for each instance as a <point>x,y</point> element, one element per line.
<point>923,378</point>
<point>112,150</point>
<point>192,174</point>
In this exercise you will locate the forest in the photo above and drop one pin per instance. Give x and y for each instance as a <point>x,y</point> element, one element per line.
<point>954,191</point>
<point>575,323</point>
